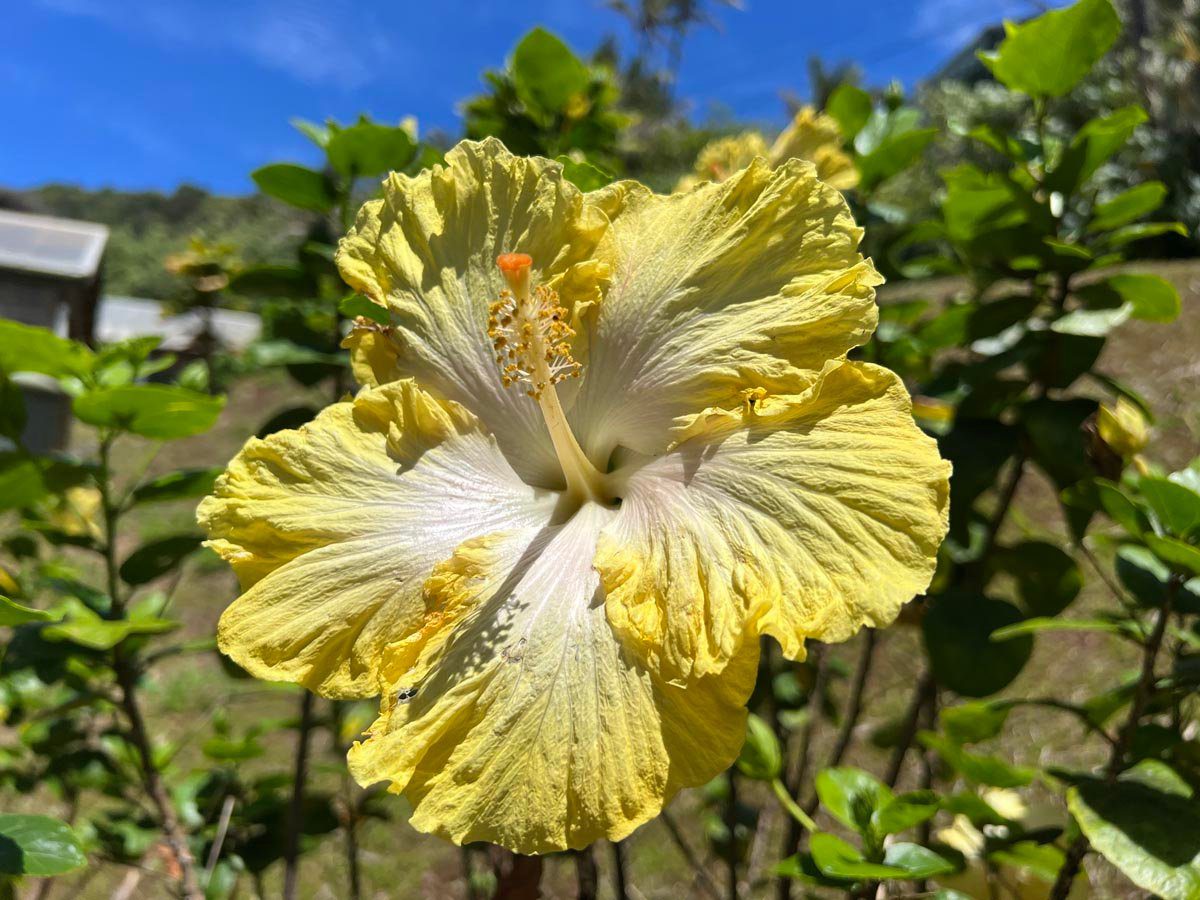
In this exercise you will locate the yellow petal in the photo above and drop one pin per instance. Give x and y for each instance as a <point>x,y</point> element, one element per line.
<point>427,250</point>
<point>1124,428</point>
<point>333,528</point>
<point>753,282</point>
<point>816,137</point>
<point>801,517</point>
<point>514,715</point>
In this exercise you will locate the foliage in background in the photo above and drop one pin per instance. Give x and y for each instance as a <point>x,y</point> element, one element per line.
<point>1029,190</point>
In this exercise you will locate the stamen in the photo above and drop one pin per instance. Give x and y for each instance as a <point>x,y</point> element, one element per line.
<point>532,343</point>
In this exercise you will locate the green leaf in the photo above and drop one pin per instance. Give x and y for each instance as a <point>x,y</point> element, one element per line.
<point>27,348</point>
<point>1055,429</point>
<point>158,557</point>
<point>968,723</point>
<point>357,305</point>
<point>1128,205</point>
<point>38,846</point>
<point>296,186</point>
<point>1181,556</point>
<point>850,107</point>
<point>976,767</point>
<point>1043,860</point>
<point>21,480</point>
<point>851,795</point>
<point>1131,233</point>
<point>1094,143</point>
<point>838,859</point>
<point>179,485</point>
<point>1045,623</point>
<point>13,414</point>
<point>228,750</point>
<point>1146,576</point>
<point>318,134</point>
<point>584,175</point>
<point>84,627</point>
<point>1120,508</point>
<point>1176,507</point>
<point>957,631</point>
<point>897,149</point>
<point>13,613</point>
<point>1091,322</point>
<point>546,74</point>
<point>1151,836</point>
<point>157,411</point>
<point>904,812</point>
<point>916,861</point>
<point>366,149</point>
<point>1150,297</point>
<point>761,758</point>
<point>1049,55</point>
<point>1048,580</point>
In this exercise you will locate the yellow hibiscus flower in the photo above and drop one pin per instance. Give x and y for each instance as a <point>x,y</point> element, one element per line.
<point>605,442</point>
<point>810,136</point>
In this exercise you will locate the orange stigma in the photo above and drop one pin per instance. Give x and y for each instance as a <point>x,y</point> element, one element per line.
<point>513,262</point>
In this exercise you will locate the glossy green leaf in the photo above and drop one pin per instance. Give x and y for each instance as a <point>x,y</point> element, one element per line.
<point>1058,442</point>
<point>1146,576</point>
<point>296,186</point>
<point>1150,297</point>
<point>1092,145</point>
<point>1128,205</point>
<point>851,795</point>
<point>917,862</point>
<point>158,411</point>
<point>1045,623</point>
<point>1151,836</point>
<point>1049,55</point>
<point>21,480</point>
<point>850,106</point>
<point>761,758</point>
<point>158,557</point>
<point>13,613</point>
<point>904,812</point>
<point>1043,860</point>
<point>367,149</point>
<point>1175,506</point>
<point>546,74</point>
<point>27,348</point>
<point>958,630</point>
<point>968,723</point>
<point>977,767</point>
<point>38,846</point>
<point>1130,233</point>
<point>1120,507</point>
<point>179,485</point>
<point>357,305</point>
<point>1182,557</point>
<point>838,859</point>
<point>1048,580</point>
<point>84,627</point>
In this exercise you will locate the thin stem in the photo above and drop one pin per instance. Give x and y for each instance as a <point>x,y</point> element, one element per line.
<point>798,771</point>
<point>291,850</point>
<point>586,876</point>
<point>620,871</point>
<point>912,719</point>
<point>702,874</point>
<point>1116,760</point>
<point>731,855</point>
<point>793,808</point>
<point>126,670</point>
<point>214,855</point>
<point>854,703</point>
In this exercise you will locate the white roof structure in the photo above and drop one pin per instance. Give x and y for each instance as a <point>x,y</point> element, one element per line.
<point>46,246</point>
<point>119,318</point>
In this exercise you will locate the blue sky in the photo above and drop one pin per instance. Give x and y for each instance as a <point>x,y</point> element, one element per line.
<point>148,94</point>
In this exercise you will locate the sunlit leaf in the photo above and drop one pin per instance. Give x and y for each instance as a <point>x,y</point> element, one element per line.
<point>158,411</point>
